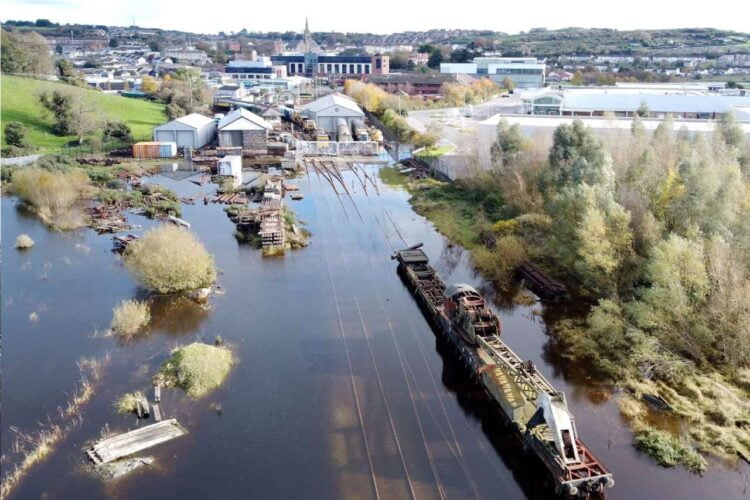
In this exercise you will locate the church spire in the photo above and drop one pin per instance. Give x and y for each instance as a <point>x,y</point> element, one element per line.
<point>307,28</point>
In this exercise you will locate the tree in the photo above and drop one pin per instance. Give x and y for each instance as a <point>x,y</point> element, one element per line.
<point>68,74</point>
<point>642,110</point>
<point>15,134</point>
<point>149,85</point>
<point>577,78</point>
<point>59,105</point>
<point>115,129</point>
<point>577,156</point>
<point>508,144</point>
<point>436,57</point>
<point>113,42</point>
<point>508,83</point>
<point>72,113</point>
<point>25,53</point>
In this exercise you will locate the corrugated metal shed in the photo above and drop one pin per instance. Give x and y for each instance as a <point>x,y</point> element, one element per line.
<point>191,131</point>
<point>242,119</point>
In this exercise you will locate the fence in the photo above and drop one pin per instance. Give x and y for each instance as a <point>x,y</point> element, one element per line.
<point>96,148</point>
<point>332,148</point>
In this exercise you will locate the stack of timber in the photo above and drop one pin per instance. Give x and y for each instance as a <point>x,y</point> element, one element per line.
<point>120,243</point>
<point>132,442</point>
<point>231,199</point>
<point>415,168</point>
<point>108,218</point>
<point>540,282</point>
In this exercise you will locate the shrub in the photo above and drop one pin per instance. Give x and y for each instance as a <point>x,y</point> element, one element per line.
<point>128,403</point>
<point>52,194</point>
<point>24,241</point>
<point>15,134</point>
<point>169,259</point>
<point>668,450</point>
<point>196,368</point>
<point>116,130</point>
<point>129,316</point>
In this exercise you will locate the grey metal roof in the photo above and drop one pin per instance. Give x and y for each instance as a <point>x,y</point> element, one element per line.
<point>669,103</point>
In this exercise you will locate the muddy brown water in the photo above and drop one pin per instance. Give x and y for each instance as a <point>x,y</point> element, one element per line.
<point>341,388</point>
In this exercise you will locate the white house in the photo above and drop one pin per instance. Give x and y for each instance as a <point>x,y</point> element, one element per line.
<point>328,109</point>
<point>190,131</point>
<point>244,129</point>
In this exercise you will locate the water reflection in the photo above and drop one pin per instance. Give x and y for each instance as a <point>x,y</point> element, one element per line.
<point>176,316</point>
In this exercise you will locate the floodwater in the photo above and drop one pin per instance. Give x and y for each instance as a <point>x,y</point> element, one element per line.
<point>341,388</point>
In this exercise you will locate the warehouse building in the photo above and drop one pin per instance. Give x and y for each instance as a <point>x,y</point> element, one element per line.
<point>328,109</point>
<point>191,131</point>
<point>622,102</point>
<point>525,72</point>
<point>244,129</point>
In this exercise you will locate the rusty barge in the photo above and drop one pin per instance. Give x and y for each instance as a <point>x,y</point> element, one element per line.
<point>537,411</point>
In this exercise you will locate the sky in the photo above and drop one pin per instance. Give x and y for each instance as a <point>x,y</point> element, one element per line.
<point>385,16</point>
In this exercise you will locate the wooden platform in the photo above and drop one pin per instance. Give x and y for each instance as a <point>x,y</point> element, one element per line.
<point>134,441</point>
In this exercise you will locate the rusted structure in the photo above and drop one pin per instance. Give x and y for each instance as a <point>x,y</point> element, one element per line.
<point>540,282</point>
<point>120,243</point>
<point>538,411</point>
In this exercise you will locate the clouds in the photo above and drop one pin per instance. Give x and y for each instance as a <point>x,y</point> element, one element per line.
<point>385,16</point>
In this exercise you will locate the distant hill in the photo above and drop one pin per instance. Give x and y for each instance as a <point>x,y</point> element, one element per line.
<point>19,102</point>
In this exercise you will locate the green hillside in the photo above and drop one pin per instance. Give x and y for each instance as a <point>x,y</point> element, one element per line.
<point>19,102</point>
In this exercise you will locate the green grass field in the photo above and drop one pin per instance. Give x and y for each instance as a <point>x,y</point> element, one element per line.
<point>434,152</point>
<point>20,102</point>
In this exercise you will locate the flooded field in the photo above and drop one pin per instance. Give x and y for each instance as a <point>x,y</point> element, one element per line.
<point>341,389</point>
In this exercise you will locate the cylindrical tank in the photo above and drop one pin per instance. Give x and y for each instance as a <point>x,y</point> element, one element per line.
<point>342,131</point>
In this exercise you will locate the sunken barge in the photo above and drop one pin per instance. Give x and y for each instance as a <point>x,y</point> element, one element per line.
<point>537,411</point>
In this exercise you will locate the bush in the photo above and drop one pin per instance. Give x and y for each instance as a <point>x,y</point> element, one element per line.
<point>117,130</point>
<point>24,241</point>
<point>128,403</point>
<point>668,450</point>
<point>15,134</point>
<point>129,316</point>
<point>196,368</point>
<point>52,194</point>
<point>169,259</point>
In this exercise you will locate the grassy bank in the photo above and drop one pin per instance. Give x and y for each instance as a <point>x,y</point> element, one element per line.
<point>19,101</point>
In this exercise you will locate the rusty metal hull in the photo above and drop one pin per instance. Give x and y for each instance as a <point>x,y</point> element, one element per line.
<point>507,380</point>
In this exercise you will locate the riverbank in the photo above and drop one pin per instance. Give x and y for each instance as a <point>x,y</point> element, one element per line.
<point>675,421</point>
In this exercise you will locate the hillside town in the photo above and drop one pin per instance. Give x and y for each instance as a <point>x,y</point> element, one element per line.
<point>446,263</point>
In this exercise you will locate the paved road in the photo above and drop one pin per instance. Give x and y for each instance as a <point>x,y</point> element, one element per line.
<point>458,125</point>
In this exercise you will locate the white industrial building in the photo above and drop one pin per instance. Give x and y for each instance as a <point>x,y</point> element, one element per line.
<point>328,109</point>
<point>627,102</point>
<point>244,129</point>
<point>525,72</point>
<point>190,131</point>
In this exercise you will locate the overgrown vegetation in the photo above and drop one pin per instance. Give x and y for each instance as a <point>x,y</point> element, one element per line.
<point>53,195</point>
<point>668,450</point>
<point>391,108</point>
<point>170,259</point>
<point>654,232</point>
<point>197,368</point>
<point>129,316</point>
<point>128,402</point>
